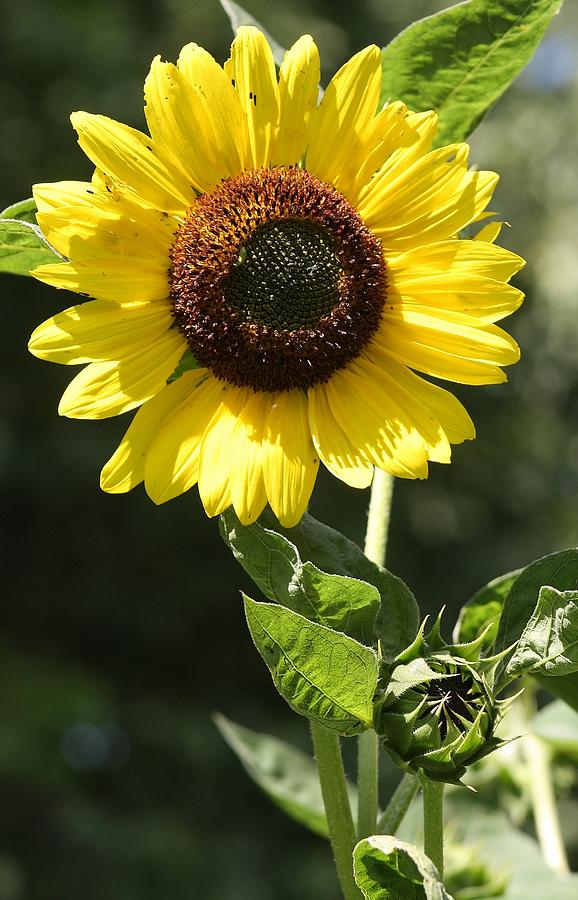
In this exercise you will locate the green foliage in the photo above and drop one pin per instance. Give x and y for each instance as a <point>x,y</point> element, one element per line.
<point>386,868</point>
<point>549,642</point>
<point>22,245</point>
<point>559,571</point>
<point>288,776</point>
<point>239,16</point>
<point>397,619</point>
<point>322,674</point>
<point>484,608</point>
<point>558,727</point>
<point>461,60</point>
<point>187,364</point>
<point>273,562</point>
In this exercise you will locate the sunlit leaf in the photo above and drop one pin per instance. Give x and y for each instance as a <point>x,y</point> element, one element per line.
<point>386,868</point>
<point>22,247</point>
<point>239,16</point>
<point>322,674</point>
<point>461,60</point>
<point>484,609</point>
<point>549,642</point>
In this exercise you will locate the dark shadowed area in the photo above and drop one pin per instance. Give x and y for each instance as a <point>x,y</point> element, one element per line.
<point>121,627</point>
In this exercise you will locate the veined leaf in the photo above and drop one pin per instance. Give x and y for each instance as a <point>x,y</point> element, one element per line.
<point>273,562</point>
<point>549,642</point>
<point>322,674</point>
<point>386,868</point>
<point>397,619</point>
<point>22,247</point>
<point>24,210</point>
<point>288,776</point>
<point>461,60</point>
<point>483,609</point>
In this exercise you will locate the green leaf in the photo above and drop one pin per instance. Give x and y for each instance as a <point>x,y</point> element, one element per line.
<point>322,674</point>
<point>397,619</point>
<point>22,247</point>
<point>239,16</point>
<point>386,868</point>
<point>25,210</point>
<point>288,776</point>
<point>549,642</point>
<point>461,60</point>
<point>557,570</point>
<point>484,609</point>
<point>273,562</point>
<point>557,725</point>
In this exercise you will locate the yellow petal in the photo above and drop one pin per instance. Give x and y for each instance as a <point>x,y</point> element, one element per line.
<point>218,117</point>
<point>298,90</point>
<point>346,111</point>
<point>490,232</point>
<point>216,452</point>
<point>129,157</point>
<point>246,473</point>
<point>376,425</point>
<point>114,282</point>
<point>126,467</point>
<point>464,257</point>
<point>290,461</point>
<point>484,299</point>
<point>172,461</point>
<point>105,389</point>
<point>98,331</point>
<point>335,449</point>
<point>251,68</point>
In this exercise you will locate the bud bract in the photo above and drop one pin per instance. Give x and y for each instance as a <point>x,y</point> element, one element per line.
<point>437,712</point>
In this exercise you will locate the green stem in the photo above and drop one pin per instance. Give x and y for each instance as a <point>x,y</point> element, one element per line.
<point>401,800</point>
<point>544,805</point>
<point>368,746</point>
<point>378,517</point>
<point>433,822</point>
<point>367,775</point>
<point>337,808</point>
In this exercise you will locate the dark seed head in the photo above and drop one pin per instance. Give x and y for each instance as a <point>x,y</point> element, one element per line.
<point>276,282</point>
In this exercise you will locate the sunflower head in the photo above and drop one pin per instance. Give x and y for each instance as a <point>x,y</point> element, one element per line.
<point>272,276</point>
<point>438,713</point>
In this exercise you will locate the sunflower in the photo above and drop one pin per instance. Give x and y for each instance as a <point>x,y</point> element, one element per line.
<point>270,273</point>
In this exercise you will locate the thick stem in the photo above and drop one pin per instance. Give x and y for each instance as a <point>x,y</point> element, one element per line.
<point>367,774</point>
<point>368,748</point>
<point>544,804</point>
<point>433,822</point>
<point>337,808</point>
<point>378,517</point>
<point>401,800</point>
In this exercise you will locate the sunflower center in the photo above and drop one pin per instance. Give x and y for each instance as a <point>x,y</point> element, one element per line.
<point>287,275</point>
<point>276,282</point>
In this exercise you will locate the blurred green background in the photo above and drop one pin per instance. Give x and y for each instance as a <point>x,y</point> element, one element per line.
<point>121,627</point>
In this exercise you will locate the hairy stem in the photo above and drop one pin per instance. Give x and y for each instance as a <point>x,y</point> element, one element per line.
<point>544,805</point>
<point>400,802</point>
<point>368,747</point>
<point>433,822</point>
<point>337,809</point>
<point>367,774</point>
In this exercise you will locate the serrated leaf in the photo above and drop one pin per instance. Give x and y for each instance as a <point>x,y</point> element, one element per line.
<point>24,210</point>
<point>22,247</point>
<point>397,620</point>
<point>322,674</point>
<point>549,642</point>
<point>273,562</point>
<point>386,868</point>
<point>239,16</point>
<point>461,60</point>
<point>557,725</point>
<point>288,776</point>
<point>483,609</point>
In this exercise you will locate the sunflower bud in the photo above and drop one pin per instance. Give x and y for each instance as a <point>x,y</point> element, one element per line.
<point>437,712</point>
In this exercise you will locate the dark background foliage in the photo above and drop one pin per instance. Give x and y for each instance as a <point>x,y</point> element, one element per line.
<point>121,627</point>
